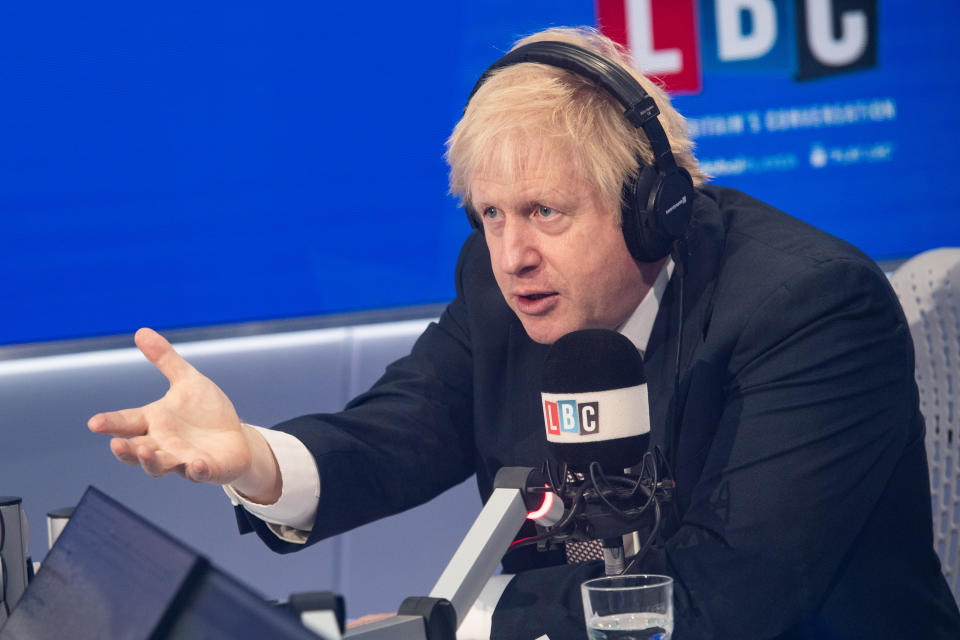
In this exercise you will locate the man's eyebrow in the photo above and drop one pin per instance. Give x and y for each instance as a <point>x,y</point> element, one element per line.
<point>560,196</point>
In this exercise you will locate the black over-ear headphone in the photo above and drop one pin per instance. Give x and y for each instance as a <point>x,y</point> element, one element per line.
<point>659,201</point>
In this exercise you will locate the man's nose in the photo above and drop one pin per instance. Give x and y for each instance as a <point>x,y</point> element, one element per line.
<point>520,250</point>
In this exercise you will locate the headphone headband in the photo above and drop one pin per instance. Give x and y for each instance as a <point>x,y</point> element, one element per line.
<point>614,79</point>
<point>639,108</point>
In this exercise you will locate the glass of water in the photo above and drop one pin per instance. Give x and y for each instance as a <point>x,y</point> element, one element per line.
<point>629,607</point>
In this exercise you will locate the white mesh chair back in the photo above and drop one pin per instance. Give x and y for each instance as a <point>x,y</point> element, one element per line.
<point>928,287</point>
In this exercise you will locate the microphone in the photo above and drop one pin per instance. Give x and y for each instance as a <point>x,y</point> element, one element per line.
<point>595,404</point>
<point>597,423</point>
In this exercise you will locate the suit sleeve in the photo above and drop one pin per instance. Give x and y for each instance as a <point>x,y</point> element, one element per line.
<point>820,407</point>
<point>407,439</point>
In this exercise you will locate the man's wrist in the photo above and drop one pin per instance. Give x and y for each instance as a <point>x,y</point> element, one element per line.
<point>292,516</point>
<point>262,483</point>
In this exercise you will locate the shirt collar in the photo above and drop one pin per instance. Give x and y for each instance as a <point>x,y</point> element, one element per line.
<point>640,323</point>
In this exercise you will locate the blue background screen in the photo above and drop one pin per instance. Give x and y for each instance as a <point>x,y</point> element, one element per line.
<point>193,164</point>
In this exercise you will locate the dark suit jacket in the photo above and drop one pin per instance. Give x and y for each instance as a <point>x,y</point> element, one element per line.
<point>802,507</point>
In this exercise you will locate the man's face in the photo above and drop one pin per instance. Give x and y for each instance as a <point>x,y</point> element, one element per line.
<point>557,252</point>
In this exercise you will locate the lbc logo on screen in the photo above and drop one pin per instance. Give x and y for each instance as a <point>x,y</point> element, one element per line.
<point>675,41</point>
<point>571,417</point>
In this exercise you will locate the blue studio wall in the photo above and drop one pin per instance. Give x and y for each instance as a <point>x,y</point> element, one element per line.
<point>193,164</point>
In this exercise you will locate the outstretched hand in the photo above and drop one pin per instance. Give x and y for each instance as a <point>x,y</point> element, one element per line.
<point>193,430</point>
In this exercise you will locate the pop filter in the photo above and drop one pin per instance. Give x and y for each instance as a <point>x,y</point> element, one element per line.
<point>594,398</point>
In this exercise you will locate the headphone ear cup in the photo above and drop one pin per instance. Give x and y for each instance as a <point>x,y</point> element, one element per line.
<point>646,240</point>
<point>673,202</point>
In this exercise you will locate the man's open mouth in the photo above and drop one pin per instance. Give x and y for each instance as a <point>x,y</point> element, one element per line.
<point>537,296</point>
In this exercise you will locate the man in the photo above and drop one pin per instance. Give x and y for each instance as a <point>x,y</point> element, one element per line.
<point>791,423</point>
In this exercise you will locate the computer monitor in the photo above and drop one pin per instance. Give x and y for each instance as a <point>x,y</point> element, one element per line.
<point>112,574</point>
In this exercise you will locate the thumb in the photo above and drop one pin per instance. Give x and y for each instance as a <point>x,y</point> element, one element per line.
<point>158,351</point>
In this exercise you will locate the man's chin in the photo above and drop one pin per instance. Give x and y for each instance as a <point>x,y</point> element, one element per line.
<point>544,332</point>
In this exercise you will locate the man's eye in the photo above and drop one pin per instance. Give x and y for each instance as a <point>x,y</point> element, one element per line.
<point>546,212</point>
<point>491,213</point>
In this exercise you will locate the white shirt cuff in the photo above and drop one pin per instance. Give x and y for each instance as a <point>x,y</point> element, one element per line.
<point>291,517</point>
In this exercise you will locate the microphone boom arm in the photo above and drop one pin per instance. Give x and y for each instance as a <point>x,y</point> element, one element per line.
<point>516,489</point>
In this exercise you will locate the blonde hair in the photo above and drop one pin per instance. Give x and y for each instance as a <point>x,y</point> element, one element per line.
<point>527,112</point>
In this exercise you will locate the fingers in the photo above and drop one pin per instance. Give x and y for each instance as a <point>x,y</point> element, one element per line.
<point>123,451</point>
<point>129,422</point>
<point>157,462</point>
<point>198,471</point>
<point>158,351</point>
<point>144,452</point>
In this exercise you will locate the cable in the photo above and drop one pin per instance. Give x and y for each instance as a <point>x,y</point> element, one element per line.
<point>597,471</point>
<point>679,258</point>
<point>594,469</point>
<point>646,545</point>
<point>613,492</point>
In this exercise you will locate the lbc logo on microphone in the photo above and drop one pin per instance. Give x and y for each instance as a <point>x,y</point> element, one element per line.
<point>571,417</point>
